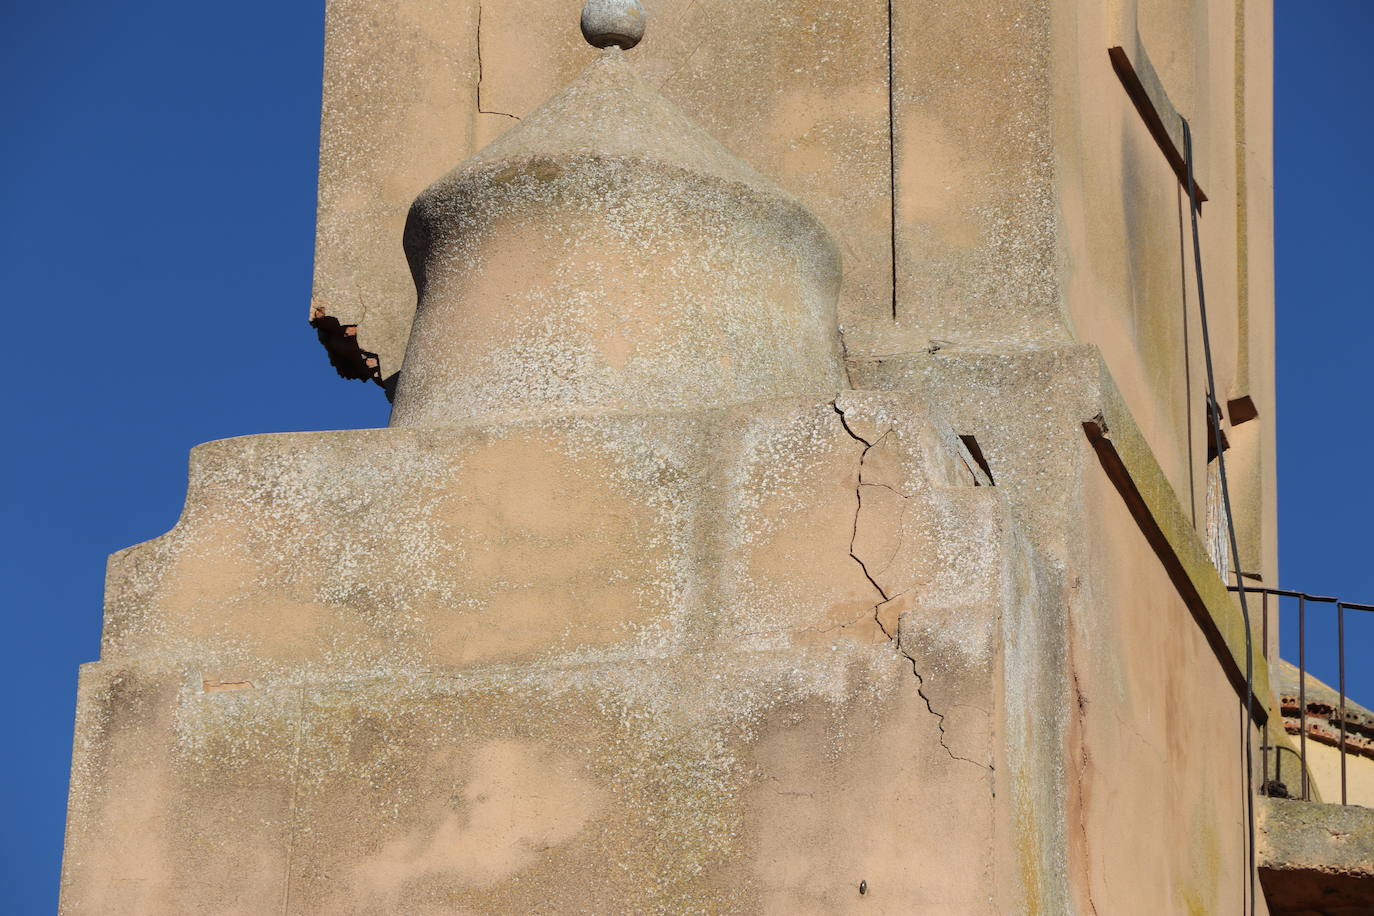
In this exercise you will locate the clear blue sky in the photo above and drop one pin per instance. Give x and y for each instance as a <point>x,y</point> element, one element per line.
<point>157,184</point>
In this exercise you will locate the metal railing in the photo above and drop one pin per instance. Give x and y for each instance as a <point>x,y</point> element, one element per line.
<point>1276,786</point>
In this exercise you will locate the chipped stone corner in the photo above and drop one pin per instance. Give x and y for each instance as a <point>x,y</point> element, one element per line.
<point>345,350</point>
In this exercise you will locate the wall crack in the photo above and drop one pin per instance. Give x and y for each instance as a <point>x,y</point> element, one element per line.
<point>480,109</point>
<point>892,146</point>
<point>858,510</point>
<point>1081,704</point>
<point>939,716</point>
<point>886,598</point>
<point>841,625</point>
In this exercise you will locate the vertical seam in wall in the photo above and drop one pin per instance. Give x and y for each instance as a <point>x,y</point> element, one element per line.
<point>1242,381</point>
<point>892,149</point>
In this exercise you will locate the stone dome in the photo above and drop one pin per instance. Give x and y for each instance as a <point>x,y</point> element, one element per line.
<point>607,254</point>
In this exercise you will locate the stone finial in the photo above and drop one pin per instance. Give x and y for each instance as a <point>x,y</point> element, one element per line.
<point>613,22</point>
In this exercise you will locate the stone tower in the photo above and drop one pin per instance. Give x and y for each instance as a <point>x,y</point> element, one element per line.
<point>797,497</point>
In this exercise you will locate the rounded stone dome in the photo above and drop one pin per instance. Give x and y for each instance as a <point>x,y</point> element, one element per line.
<point>606,254</point>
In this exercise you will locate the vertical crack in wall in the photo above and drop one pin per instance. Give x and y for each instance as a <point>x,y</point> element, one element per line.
<point>1080,704</point>
<point>480,109</point>
<point>892,147</point>
<point>939,716</point>
<point>858,511</point>
<point>877,616</point>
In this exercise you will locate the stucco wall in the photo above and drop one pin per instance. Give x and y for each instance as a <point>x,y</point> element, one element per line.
<point>1158,733</point>
<point>634,662</point>
<point>758,654</point>
<point>1031,205</point>
<point>1129,275</point>
<point>1152,760</point>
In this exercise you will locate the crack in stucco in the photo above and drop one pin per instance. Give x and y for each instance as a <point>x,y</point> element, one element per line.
<point>877,616</point>
<point>859,497</point>
<point>842,625</point>
<point>480,109</point>
<point>854,534</point>
<point>940,717</point>
<point>1081,703</point>
<point>844,359</point>
<point>885,487</point>
<point>901,531</point>
<point>683,66</point>
<point>892,147</point>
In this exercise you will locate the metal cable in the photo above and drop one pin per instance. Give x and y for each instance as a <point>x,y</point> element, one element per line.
<point>1214,416</point>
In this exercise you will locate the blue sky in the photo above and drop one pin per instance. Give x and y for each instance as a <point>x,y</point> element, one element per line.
<point>157,187</point>
<point>1324,125</point>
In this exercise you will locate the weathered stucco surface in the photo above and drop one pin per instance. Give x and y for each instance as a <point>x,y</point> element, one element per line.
<point>1000,161</point>
<point>695,574</point>
<point>487,652</point>
<point>413,87</point>
<point>675,784</point>
<point>524,534</point>
<point>608,254</point>
<point>1154,709</point>
<point>1140,695</point>
<point>734,573</point>
<point>1128,275</point>
<point>1316,858</point>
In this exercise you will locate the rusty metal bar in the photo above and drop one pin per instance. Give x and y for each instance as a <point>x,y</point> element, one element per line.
<point>1288,593</point>
<point>1278,764</point>
<point>1139,95</point>
<point>1302,689</point>
<point>1214,414</point>
<point>1278,760</point>
<point>1340,657</point>
<point>1264,612</point>
<point>1265,748</point>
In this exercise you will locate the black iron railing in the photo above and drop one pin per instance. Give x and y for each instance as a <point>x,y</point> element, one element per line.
<point>1272,598</point>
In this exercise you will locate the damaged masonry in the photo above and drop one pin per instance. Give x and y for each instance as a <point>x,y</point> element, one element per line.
<point>736,544</point>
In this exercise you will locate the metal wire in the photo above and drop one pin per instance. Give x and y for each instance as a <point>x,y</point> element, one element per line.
<point>1214,415</point>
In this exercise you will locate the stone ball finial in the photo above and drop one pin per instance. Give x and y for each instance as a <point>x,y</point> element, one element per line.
<point>613,22</point>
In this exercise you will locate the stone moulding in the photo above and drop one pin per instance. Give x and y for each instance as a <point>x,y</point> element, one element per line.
<point>1136,473</point>
<point>503,540</point>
